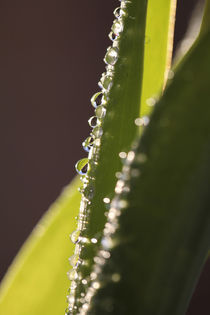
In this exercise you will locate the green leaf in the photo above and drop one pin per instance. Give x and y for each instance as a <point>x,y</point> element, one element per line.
<point>37,283</point>
<point>159,222</point>
<point>122,103</point>
<point>206,22</point>
<point>158,49</point>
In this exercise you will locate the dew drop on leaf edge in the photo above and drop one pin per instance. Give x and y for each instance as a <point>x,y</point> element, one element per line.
<point>82,166</point>
<point>111,56</point>
<point>87,143</point>
<point>75,236</point>
<point>96,99</point>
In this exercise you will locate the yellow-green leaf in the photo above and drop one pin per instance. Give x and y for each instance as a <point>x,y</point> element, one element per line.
<point>37,283</point>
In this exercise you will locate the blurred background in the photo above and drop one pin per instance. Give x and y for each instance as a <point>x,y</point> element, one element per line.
<point>51,58</point>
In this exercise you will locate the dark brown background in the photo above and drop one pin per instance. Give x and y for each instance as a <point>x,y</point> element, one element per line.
<point>51,56</point>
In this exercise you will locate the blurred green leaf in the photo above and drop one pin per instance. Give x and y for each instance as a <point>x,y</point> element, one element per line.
<point>36,282</point>
<point>158,49</point>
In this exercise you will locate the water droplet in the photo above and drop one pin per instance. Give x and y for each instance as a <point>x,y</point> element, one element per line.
<point>106,82</point>
<point>73,275</point>
<point>85,306</point>
<point>118,175</point>
<point>88,191</point>
<point>112,36</point>
<point>124,3</point>
<point>84,281</point>
<point>96,285</point>
<point>111,56</point>
<point>122,204</point>
<point>151,101</point>
<point>82,166</point>
<point>71,299</point>
<point>117,27</point>
<point>112,215</point>
<point>105,254</point>
<point>94,240</point>
<point>170,74</point>
<point>97,132</point>
<point>116,277</point>
<point>73,285</point>
<point>88,143</point>
<point>131,156</point>
<point>110,69</point>
<point>74,260</point>
<point>92,152</point>
<point>97,142</point>
<point>122,155</point>
<point>96,99</point>
<point>75,236</point>
<point>144,121</point>
<point>100,111</point>
<point>119,186</point>
<point>67,312</point>
<point>93,275</point>
<point>93,121</point>
<point>117,12</point>
<point>107,242</point>
<point>141,158</point>
<point>100,261</point>
<point>106,200</point>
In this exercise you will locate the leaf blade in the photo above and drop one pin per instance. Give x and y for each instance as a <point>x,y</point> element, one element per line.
<point>158,50</point>
<point>36,282</point>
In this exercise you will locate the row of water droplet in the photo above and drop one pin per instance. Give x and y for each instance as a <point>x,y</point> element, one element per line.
<point>119,204</point>
<point>85,167</point>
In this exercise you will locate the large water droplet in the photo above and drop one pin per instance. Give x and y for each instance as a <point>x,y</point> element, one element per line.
<point>75,236</point>
<point>87,144</point>
<point>100,111</point>
<point>82,166</point>
<point>117,27</point>
<point>111,56</point>
<point>117,12</point>
<point>106,82</point>
<point>93,121</point>
<point>96,99</point>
